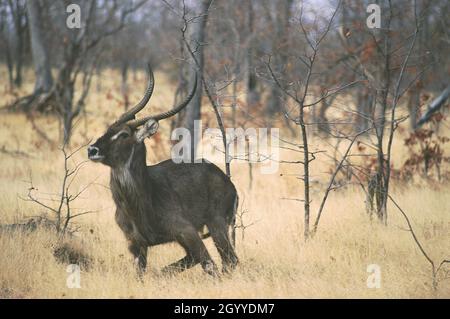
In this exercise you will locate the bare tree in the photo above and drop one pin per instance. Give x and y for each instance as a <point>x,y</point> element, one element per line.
<point>197,42</point>
<point>39,49</point>
<point>79,55</point>
<point>44,79</point>
<point>6,46</point>
<point>298,93</point>
<point>280,42</point>
<point>389,92</point>
<point>253,95</point>
<point>60,204</point>
<point>18,12</point>
<point>208,85</point>
<point>436,266</point>
<point>392,65</point>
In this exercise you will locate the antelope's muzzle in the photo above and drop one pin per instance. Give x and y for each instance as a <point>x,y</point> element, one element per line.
<point>94,154</point>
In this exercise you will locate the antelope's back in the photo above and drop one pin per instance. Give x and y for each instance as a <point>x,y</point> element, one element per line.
<point>202,189</point>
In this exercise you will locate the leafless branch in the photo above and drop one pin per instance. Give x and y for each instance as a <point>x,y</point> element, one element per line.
<point>434,270</point>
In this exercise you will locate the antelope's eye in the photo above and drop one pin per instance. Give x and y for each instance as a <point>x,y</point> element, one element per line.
<point>123,135</point>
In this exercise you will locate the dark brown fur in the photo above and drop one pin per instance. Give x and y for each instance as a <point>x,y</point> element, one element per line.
<point>167,202</point>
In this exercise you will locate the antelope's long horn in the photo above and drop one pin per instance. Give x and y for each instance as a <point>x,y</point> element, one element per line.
<point>172,112</point>
<point>130,114</point>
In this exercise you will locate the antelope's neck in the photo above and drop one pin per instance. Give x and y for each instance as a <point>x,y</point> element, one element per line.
<point>133,196</point>
<point>128,184</point>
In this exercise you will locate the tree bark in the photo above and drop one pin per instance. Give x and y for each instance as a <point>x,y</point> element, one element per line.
<point>42,69</point>
<point>4,33</point>
<point>124,84</point>
<point>20,25</point>
<point>364,108</point>
<point>198,38</point>
<point>253,96</point>
<point>281,44</point>
<point>276,100</point>
<point>181,91</point>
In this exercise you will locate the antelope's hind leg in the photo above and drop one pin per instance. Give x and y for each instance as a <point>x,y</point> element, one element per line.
<point>196,252</point>
<point>140,257</point>
<point>219,232</point>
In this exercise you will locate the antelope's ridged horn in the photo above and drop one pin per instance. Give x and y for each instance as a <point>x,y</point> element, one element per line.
<point>130,114</point>
<point>172,112</point>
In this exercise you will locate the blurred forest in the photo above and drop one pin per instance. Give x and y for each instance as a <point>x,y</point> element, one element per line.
<point>266,61</point>
<point>235,40</point>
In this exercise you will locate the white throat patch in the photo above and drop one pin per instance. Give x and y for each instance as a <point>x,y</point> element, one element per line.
<point>123,174</point>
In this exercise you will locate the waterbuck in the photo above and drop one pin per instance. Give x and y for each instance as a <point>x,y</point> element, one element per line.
<point>166,202</point>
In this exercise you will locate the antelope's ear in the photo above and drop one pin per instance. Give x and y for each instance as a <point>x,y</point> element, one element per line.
<point>148,129</point>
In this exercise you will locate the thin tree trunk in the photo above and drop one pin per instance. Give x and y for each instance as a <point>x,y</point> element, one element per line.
<point>413,106</point>
<point>181,91</point>
<point>277,99</point>
<point>19,61</point>
<point>253,96</point>
<point>364,108</point>
<point>124,84</point>
<point>382,165</point>
<point>18,12</point>
<point>98,73</point>
<point>42,69</point>
<point>198,39</point>
<point>10,65</point>
<point>306,172</point>
<point>4,33</point>
<point>8,58</point>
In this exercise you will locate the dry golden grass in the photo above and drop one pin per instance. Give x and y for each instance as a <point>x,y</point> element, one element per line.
<point>274,259</point>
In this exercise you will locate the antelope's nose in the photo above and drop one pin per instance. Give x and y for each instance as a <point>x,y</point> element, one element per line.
<point>93,151</point>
